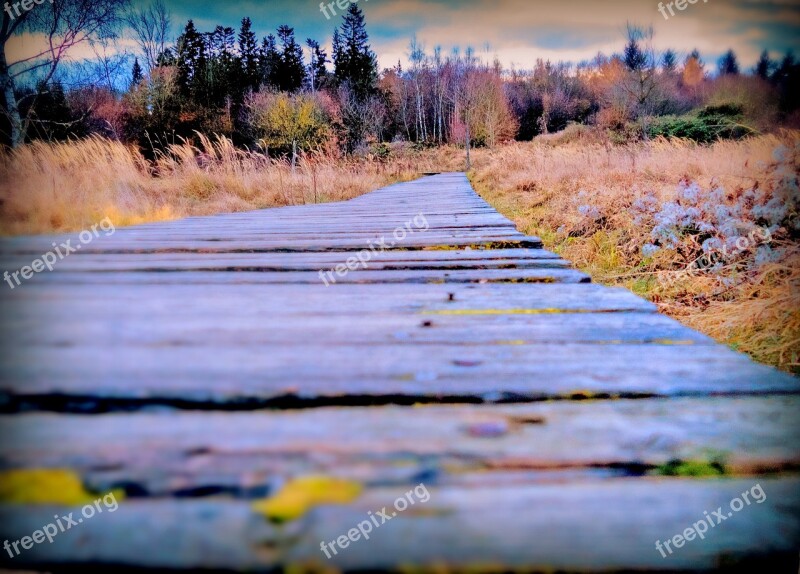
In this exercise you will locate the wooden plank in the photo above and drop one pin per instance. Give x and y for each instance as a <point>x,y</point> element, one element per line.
<point>63,300</point>
<point>288,374</point>
<point>129,327</point>
<point>316,260</point>
<point>42,245</point>
<point>270,263</point>
<point>596,526</point>
<point>407,277</point>
<point>164,453</point>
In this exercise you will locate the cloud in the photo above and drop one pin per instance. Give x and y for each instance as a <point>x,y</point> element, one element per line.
<point>519,31</point>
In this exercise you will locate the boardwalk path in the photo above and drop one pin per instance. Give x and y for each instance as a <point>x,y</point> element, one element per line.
<point>200,364</point>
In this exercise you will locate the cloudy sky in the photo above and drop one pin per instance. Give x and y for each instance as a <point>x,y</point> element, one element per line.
<point>519,31</point>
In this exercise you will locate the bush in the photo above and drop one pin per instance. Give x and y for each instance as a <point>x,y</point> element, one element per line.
<point>704,126</point>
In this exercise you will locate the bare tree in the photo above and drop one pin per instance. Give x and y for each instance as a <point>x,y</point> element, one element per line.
<point>63,24</point>
<point>151,29</point>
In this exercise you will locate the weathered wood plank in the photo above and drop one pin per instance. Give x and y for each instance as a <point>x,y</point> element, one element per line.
<point>250,374</point>
<point>407,277</point>
<point>594,526</point>
<point>129,327</point>
<point>166,452</point>
<point>63,300</point>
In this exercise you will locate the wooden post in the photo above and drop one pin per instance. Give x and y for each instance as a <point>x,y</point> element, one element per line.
<point>467,143</point>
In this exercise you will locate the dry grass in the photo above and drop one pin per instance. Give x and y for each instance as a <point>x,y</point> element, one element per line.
<point>540,185</point>
<point>69,186</point>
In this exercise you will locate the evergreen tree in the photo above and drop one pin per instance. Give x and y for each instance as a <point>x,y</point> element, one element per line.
<point>248,51</point>
<point>292,72</point>
<point>354,62</point>
<point>191,60</point>
<point>137,75</point>
<point>669,61</point>
<point>633,56</point>
<point>317,72</point>
<point>764,66</point>
<point>787,78</point>
<point>224,70</point>
<point>269,62</point>
<point>728,65</point>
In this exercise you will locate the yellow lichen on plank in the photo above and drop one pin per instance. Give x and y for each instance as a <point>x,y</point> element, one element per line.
<point>44,486</point>
<point>298,496</point>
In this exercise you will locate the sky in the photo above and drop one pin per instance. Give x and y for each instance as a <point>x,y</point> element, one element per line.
<point>520,31</point>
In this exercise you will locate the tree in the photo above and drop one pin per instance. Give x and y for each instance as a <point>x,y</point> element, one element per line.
<point>291,70</point>
<point>640,60</point>
<point>150,27</point>
<point>354,62</point>
<point>669,61</point>
<point>64,24</point>
<point>269,62</point>
<point>764,66</point>
<point>191,60</point>
<point>728,65</point>
<point>248,51</point>
<point>136,76</point>
<point>634,57</point>
<point>317,72</point>
<point>288,123</point>
<point>693,73</point>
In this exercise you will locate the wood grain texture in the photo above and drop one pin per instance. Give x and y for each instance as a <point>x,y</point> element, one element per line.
<point>201,364</point>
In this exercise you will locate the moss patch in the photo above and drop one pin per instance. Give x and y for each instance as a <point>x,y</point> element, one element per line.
<point>298,496</point>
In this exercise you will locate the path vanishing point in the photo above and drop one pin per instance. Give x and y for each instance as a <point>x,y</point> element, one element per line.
<point>200,365</point>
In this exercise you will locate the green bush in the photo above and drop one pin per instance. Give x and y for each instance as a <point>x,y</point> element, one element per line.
<point>707,125</point>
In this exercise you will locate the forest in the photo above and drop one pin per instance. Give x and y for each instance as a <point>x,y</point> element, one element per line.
<point>283,96</point>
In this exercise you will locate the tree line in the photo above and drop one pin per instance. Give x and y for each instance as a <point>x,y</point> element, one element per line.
<point>285,96</point>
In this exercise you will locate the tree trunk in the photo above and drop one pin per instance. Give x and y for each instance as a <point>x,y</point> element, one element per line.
<point>468,164</point>
<point>12,109</point>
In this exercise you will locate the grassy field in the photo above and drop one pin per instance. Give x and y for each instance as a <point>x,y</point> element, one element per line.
<point>640,215</point>
<point>69,186</point>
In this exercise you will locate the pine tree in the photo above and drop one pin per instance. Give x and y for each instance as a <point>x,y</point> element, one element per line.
<point>728,65</point>
<point>317,72</point>
<point>633,56</point>
<point>248,51</point>
<point>292,72</point>
<point>669,61</point>
<point>355,63</point>
<point>269,62</point>
<point>224,69</point>
<point>137,75</point>
<point>191,60</point>
<point>764,66</point>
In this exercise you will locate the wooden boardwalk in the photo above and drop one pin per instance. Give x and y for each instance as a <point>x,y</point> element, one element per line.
<point>202,365</point>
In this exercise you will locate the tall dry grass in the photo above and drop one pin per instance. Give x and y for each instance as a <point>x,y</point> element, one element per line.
<point>57,187</point>
<point>548,186</point>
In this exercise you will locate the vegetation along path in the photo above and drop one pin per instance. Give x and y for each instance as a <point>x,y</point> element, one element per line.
<point>250,401</point>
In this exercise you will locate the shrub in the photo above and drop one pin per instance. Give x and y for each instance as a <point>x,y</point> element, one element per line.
<point>704,126</point>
